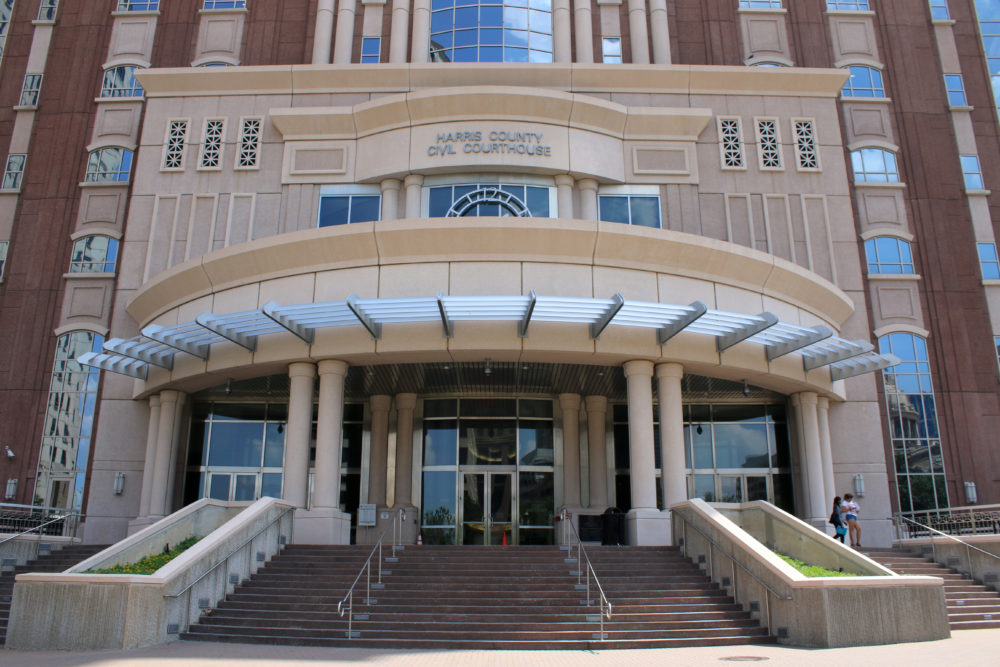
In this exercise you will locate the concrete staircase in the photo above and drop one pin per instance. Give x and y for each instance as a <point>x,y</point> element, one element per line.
<point>971,606</point>
<point>480,597</point>
<point>57,561</point>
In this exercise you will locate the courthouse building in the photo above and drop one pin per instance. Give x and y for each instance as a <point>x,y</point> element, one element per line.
<point>493,259</point>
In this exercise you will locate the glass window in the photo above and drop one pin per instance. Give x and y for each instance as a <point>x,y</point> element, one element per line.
<point>138,5</point>
<point>371,49</point>
<point>487,442</point>
<point>988,261</point>
<point>847,5</point>
<point>6,9</point>
<point>440,443</point>
<point>939,10</point>
<point>864,82</point>
<point>512,31</point>
<point>109,164</point>
<point>887,254</point>
<point>760,4</point>
<point>3,257</point>
<point>488,199</point>
<point>971,172</point>
<point>955,88</point>
<point>47,10</point>
<point>13,171</point>
<point>30,89</point>
<point>913,425</point>
<point>642,210</point>
<point>225,4</point>
<point>535,443</point>
<point>874,165</point>
<point>996,339</point>
<point>94,254</point>
<point>346,209</point>
<point>120,82</point>
<point>611,49</point>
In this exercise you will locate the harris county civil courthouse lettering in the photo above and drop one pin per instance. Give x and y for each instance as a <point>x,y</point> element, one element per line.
<point>490,259</point>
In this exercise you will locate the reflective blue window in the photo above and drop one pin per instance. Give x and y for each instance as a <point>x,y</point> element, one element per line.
<point>955,88</point>
<point>913,424</point>
<point>887,254</point>
<point>535,199</point>
<point>225,4</point>
<point>642,210</point>
<point>971,172</point>
<point>109,164</point>
<point>988,261</point>
<point>346,209</point>
<point>874,165</point>
<point>138,5</point>
<point>371,49</point>
<point>760,4</point>
<point>120,82</point>
<point>864,82</point>
<point>94,254</point>
<point>847,5</point>
<point>988,12</point>
<point>939,10</point>
<point>511,31</point>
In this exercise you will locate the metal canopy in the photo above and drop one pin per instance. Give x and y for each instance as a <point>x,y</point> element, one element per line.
<point>816,346</point>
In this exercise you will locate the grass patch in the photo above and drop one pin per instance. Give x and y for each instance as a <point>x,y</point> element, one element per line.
<point>150,564</point>
<point>813,570</point>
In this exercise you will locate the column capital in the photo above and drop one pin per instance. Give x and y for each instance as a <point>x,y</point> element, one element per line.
<point>569,401</point>
<point>413,180</point>
<point>823,403</point>
<point>670,370</point>
<point>332,366</point>
<point>154,401</point>
<point>170,396</point>
<point>380,402</point>
<point>808,397</point>
<point>390,184</point>
<point>587,184</point>
<point>565,180</point>
<point>406,401</point>
<point>638,367</point>
<point>302,369</point>
<point>596,403</point>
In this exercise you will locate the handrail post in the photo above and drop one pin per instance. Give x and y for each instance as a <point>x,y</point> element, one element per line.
<point>368,597</point>
<point>380,562</point>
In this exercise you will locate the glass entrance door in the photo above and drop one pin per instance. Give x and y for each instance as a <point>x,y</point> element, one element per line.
<point>487,507</point>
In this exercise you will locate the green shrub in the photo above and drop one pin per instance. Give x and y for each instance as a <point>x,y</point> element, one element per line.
<point>150,564</point>
<point>813,570</point>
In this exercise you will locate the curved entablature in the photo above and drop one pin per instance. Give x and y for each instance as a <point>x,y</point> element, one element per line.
<point>817,346</point>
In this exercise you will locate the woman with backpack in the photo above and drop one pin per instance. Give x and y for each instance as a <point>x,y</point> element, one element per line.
<point>837,519</point>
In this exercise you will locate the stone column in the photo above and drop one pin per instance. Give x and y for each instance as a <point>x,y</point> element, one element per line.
<point>637,31</point>
<point>399,32</point>
<point>343,43</point>
<point>405,404</point>
<point>379,450</point>
<point>148,468</point>
<point>674,473</point>
<point>597,410</point>
<point>329,429</point>
<point>324,33</point>
<point>413,184</point>
<point>812,459</point>
<point>420,46</point>
<point>569,404</point>
<point>164,444</point>
<point>175,452</point>
<point>302,377</point>
<point>564,195</point>
<point>390,198</point>
<point>584,39</point>
<point>660,28</point>
<point>646,524</point>
<point>562,45</point>
<point>825,449</point>
<point>588,198</point>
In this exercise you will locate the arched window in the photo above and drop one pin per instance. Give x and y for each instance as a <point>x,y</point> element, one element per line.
<point>94,254</point>
<point>491,31</point>
<point>874,165</point>
<point>109,164</point>
<point>120,82</point>
<point>887,254</point>
<point>502,199</point>
<point>913,424</point>
<point>865,81</point>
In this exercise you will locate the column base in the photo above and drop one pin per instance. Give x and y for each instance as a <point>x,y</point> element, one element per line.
<point>321,525</point>
<point>648,527</point>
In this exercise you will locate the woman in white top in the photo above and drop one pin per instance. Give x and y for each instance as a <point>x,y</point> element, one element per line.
<point>851,511</point>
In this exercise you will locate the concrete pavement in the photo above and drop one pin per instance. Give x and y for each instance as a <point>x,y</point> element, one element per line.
<point>972,648</point>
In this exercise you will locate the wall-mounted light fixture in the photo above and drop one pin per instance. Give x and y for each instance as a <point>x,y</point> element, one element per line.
<point>8,451</point>
<point>971,496</point>
<point>229,386</point>
<point>746,388</point>
<point>11,489</point>
<point>119,487</point>
<point>487,369</point>
<point>859,485</point>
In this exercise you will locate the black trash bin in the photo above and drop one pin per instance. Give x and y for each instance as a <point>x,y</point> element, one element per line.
<point>613,527</point>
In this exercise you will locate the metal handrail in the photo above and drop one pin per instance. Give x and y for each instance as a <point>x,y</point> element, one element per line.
<point>399,516</point>
<point>564,517</point>
<point>40,526</point>
<point>223,561</point>
<point>970,519</point>
<point>713,544</point>
<point>968,547</point>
